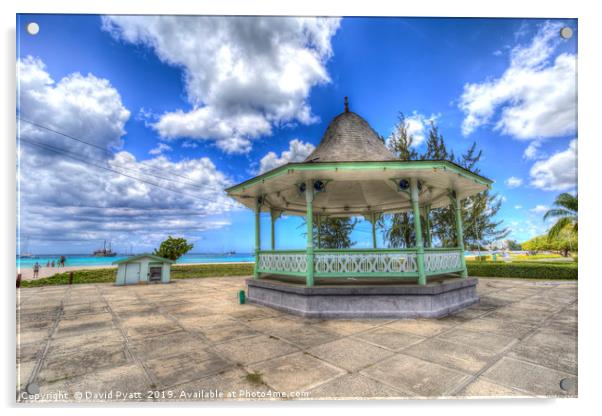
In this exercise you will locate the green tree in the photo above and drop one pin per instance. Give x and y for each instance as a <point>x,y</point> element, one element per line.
<point>566,212</point>
<point>478,211</point>
<point>564,242</point>
<point>334,232</point>
<point>513,245</point>
<point>400,233</point>
<point>173,248</point>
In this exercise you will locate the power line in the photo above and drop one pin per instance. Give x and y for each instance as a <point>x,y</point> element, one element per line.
<point>64,153</point>
<point>127,168</point>
<point>108,152</point>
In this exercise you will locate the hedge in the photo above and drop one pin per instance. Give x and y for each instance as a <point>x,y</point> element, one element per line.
<point>525,270</point>
<point>177,272</point>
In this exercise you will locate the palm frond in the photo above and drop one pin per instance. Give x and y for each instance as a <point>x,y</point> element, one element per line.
<point>558,227</point>
<point>557,212</point>
<point>567,201</point>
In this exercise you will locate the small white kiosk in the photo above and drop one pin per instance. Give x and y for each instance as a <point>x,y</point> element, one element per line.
<point>145,268</point>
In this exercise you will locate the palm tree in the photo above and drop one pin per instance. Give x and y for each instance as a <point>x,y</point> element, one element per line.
<point>566,214</point>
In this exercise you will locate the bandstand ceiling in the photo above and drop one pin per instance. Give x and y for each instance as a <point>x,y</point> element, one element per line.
<point>353,188</point>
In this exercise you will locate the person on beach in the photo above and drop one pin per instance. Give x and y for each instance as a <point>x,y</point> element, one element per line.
<point>62,261</point>
<point>48,263</point>
<point>36,269</point>
<point>52,264</point>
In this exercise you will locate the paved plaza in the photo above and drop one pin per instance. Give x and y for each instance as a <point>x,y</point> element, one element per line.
<point>191,340</point>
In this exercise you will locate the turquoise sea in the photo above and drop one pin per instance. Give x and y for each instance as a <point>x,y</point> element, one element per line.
<point>86,260</point>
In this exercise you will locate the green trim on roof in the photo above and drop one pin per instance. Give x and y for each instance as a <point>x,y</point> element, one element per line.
<point>141,256</point>
<point>387,164</point>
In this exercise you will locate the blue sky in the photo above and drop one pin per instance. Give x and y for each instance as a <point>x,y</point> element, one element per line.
<point>203,101</point>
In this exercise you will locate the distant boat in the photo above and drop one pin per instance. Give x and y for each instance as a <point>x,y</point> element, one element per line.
<point>231,252</point>
<point>104,252</point>
<point>25,254</point>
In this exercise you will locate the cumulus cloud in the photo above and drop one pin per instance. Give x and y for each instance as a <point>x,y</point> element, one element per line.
<point>418,124</point>
<point>536,96</point>
<point>518,207</point>
<point>243,75</point>
<point>77,103</point>
<point>161,148</point>
<point>559,172</point>
<point>533,151</point>
<point>65,198</point>
<point>539,209</point>
<point>513,182</point>
<point>297,152</point>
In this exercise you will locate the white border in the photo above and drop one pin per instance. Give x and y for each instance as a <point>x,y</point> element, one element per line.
<point>590,158</point>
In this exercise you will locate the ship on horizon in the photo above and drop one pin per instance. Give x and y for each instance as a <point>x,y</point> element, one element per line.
<point>104,252</point>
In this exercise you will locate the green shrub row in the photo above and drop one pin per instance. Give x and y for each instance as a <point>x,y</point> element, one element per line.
<point>525,270</point>
<point>177,272</point>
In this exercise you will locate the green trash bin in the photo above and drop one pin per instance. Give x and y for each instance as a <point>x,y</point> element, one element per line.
<point>241,297</point>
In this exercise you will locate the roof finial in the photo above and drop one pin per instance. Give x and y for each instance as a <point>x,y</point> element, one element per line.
<point>346,104</point>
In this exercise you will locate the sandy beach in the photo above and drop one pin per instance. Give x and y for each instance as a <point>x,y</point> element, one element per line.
<point>27,272</point>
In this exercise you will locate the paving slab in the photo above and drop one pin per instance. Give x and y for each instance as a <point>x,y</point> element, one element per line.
<point>492,342</point>
<point>346,327</point>
<point>532,378</point>
<point>165,345</point>
<point>486,389</point>
<point>549,348</point>
<point>416,377</point>
<point>84,323</point>
<point>498,325</point>
<point>71,363</point>
<point>463,357</point>
<point>232,384</point>
<point>148,325</point>
<point>255,349</point>
<point>353,386</point>
<point>422,327</point>
<point>116,384</point>
<point>228,332</point>
<point>349,353</point>
<point>389,338</point>
<point>189,366</point>
<point>296,372</point>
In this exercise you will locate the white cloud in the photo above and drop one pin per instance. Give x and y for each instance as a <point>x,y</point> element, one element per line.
<point>539,209</point>
<point>63,199</point>
<point>418,124</point>
<point>536,96</point>
<point>187,144</point>
<point>297,152</point>
<point>84,105</point>
<point>518,207</point>
<point>559,172</point>
<point>243,75</point>
<point>513,182</point>
<point>533,151</point>
<point>161,148</point>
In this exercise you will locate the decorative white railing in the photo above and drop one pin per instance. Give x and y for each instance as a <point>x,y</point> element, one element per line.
<point>368,263</point>
<point>442,260</point>
<point>365,263</point>
<point>283,262</point>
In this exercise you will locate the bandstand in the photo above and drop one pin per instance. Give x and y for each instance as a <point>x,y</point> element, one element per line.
<point>352,173</point>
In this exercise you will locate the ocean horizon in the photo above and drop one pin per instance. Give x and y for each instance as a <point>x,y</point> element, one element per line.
<point>87,260</point>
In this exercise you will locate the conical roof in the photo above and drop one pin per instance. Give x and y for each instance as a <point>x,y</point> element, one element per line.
<point>349,138</point>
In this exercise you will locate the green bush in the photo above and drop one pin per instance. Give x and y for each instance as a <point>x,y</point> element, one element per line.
<point>525,270</point>
<point>79,276</point>
<point>482,258</point>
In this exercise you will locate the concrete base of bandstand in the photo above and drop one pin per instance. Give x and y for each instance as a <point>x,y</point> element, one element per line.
<point>440,297</point>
